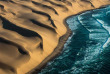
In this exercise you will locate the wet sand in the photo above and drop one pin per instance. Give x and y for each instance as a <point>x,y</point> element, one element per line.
<point>36,31</point>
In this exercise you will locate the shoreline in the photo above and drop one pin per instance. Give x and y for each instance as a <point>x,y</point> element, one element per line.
<point>60,45</point>
<point>55,53</point>
<point>103,6</point>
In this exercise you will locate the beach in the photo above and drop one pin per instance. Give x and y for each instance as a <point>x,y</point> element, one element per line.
<point>37,29</point>
<point>62,41</point>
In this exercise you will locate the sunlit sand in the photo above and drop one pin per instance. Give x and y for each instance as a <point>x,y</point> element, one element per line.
<point>33,31</point>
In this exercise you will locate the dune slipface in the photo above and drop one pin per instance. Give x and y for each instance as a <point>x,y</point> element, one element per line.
<point>33,31</point>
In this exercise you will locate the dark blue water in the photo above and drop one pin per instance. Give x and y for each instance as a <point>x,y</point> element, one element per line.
<point>87,50</point>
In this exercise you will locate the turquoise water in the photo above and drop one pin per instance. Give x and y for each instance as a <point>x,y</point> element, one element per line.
<point>87,51</point>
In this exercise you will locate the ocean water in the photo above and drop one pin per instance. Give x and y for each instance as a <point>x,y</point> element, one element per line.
<point>87,50</point>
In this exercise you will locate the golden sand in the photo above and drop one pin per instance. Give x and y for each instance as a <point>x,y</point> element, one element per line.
<point>31,31</point>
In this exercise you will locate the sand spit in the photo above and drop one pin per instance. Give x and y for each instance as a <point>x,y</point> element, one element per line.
<point>32,32</point>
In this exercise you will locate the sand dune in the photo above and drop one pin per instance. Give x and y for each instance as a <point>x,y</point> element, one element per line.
<point>30,31</point>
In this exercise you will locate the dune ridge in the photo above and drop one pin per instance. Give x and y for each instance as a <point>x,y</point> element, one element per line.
<point>33,31</point>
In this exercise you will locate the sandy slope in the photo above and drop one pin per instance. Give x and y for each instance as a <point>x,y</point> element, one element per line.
<point>30,30</point>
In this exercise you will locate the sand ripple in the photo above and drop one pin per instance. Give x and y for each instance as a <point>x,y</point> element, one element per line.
<point>30,30</point>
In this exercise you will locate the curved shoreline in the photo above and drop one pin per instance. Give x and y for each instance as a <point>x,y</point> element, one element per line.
<point>60,45</point>
<point>55,53</point>
<point>103,6</point>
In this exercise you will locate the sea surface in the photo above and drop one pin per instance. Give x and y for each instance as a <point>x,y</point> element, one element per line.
<point>87,50</point>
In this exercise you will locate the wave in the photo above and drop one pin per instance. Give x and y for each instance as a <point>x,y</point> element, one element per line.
<point>87,49</point>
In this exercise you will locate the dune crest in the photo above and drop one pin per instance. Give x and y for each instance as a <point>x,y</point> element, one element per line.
<point>30,30</point>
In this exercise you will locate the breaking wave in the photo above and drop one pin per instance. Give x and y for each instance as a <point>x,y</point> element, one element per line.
<point>87,51</point>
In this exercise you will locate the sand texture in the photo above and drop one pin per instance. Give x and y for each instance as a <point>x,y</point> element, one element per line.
<point>33,31</point>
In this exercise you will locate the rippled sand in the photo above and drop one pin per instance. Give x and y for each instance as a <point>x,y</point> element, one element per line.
<point>30,31</point>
